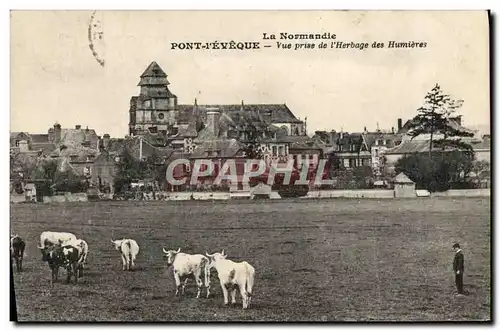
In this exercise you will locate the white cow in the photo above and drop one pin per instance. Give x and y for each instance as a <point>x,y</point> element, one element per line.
<point>234,275</point>
<point>49,238</point>
<point>83,250</point>
<point>129,250</point>
<point>186,265</point>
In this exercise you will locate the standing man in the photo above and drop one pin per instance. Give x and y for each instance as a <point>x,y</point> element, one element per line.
<point>458,268</point>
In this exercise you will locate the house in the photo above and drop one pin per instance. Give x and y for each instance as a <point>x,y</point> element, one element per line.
<point>218,152</point>
<point>30,192</point>
<point>420,144</point>
<point>404,187</point>
<point>105,166</point>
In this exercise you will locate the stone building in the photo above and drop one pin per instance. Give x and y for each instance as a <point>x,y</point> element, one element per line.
<point>154,110</point>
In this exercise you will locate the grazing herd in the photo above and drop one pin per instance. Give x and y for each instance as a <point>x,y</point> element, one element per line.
<point>65,250</point>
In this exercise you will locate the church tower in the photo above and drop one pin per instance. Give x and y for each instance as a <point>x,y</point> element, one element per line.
<point>155,108</point>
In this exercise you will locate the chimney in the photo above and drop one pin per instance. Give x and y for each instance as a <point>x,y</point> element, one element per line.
<point>332,137</point>
<point>213,116</point>
<point>392,130</point>
<point>78,126</point>
<point>57,133</point>
<point>51,135</point>
<point>400,124</point>
<point>105,141</point>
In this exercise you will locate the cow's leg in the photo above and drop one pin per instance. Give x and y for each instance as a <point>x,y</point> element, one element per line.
<point>224,291</point>
<point>233,294</point>
<point>132,262</point>
<point>186,279</point>
<point>76,267</point>
<point>177,283</point>
<point>207,282</point>
<point>68,273</point>
<point>244,296</point>
<point>124,263</point>
<point>80,270</point>
<point>16,259</point>
<point>199,282</point>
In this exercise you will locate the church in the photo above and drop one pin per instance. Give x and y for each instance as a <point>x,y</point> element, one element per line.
<point>155,111</point>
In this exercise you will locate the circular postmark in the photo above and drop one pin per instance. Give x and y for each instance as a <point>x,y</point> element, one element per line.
<point>96,39</point>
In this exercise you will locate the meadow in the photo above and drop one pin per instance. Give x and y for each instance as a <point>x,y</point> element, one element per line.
<point>315,260</point>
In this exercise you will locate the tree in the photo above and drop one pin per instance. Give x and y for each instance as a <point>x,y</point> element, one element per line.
<point>128,171</point>
<point>251,148</point>
<point>439,173</point>
<point>481,169</point>
<point>434,118</point>
<point>68,181</point>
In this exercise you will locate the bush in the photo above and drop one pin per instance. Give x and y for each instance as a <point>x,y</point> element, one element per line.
<point>437,173</point>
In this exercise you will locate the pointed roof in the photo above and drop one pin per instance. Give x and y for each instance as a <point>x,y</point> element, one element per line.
<point>402,179</point>
<point>154,70</point>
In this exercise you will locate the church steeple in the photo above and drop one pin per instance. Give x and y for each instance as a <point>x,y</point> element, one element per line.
<point>153,75</point>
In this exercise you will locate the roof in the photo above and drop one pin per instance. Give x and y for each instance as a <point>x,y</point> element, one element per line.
<point>45,147</point>
<point>218,149</point>
<point>422,146</point>
<point>485,144</point>
<point>402,179</point>
<point>452,122</point>
<point>39,138</point>
<point>76,154</point>
<point>75,137</point>
<point>154,70</point>
<point>132,144</point>
<point>30,186</point>
<point>279,113</point>
<point>187,130</point>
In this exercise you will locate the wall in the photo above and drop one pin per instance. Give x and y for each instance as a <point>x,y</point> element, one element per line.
<point>485,192</point>
<point>17,198</point>
<point>404,190</point>
<point>67,197</point>
<point>199,196</point>
<point>374,194</point>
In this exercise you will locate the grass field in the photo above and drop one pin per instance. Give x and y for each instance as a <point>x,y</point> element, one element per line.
<point>316,260</point>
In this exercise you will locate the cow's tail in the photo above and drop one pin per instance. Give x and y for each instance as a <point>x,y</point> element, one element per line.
<point>129,251</point>
<point>205,264</point>
<point>250,278</point>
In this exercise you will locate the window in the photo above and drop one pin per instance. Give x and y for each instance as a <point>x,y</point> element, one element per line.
<point>275,150</point>
<point>376,151</point>
<point>161,116</point>
<point>385,142</point>
<point>376,142</point>
<point>17,143</point>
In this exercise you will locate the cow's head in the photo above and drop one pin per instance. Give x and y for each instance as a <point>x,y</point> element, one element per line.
<point>45,251</point>
<point>117,244</point>
<point>52,253</point>
<point>170,255</point>
<point>216,256</point>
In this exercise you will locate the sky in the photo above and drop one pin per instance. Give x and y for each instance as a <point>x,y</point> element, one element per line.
<point>55,77</point>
